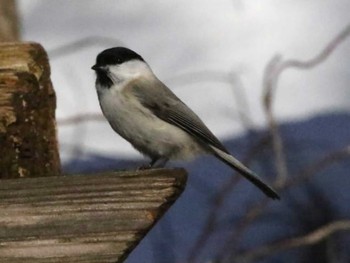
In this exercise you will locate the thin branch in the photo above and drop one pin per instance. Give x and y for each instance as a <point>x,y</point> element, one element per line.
<point>317,166</point>
<point>323,55</point>
<point>257,209</point>
<point>269,84</point>
<point>231,78</point>
<point>241,101</point>
<point>81,118</point>
<point>271,77</point>
<point>254,212</point>
<point>211,223</point>
<point>307,240</point>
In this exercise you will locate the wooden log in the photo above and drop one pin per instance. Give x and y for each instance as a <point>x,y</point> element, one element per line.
<point>28,143</point>
<point>82,219</point>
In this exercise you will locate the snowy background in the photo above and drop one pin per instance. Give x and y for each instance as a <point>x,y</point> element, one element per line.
<point>212,54</point>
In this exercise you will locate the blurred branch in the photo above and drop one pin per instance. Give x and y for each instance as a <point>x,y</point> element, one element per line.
<point>309,239</point>
<point>271,76</point>
<point>241,101</point>
<point>211,223</point>
<point>322,56</point>
<point>81,118</point>
<point>254,212</point>
<point>232,78</point>
<point>272,73</point>
<point>317,166</point>
<point>270,81</point>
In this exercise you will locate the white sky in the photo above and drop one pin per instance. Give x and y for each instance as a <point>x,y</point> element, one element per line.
<point>189,45</point>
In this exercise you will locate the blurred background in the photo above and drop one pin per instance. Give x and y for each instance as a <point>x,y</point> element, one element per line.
<point>270,78</point>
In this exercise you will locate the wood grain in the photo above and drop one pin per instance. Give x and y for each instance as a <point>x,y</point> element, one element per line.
<point>82,218</point>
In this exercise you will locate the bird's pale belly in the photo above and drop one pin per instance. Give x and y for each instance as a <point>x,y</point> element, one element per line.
<point>146,132</point>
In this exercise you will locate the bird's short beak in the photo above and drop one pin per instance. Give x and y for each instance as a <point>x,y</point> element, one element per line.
<point>95,67</point>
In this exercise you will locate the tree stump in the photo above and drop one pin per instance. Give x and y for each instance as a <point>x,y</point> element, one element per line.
<point>28,143</point>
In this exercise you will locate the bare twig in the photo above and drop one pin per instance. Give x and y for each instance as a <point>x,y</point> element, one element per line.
<point>254,212</point>
<point>272,73</point>
<point>240,227</point>
<point>76,148</point>
<point>307,240</point>
<point>271,77</point>
<point>232,78</point>
<point>322,56</point>
<point>241,102</point>
<point>211,223</point>
<point>81,118</point>
<point>317,166</point>
<point>257,210</point>
<point>270,82</point>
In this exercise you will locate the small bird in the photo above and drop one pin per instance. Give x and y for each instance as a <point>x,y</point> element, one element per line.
<point>145,112</point>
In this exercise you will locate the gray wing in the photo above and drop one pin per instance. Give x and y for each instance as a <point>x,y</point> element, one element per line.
<point>155,96</point>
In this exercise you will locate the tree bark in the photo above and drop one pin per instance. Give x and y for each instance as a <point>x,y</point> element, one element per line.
<point>28,143</point>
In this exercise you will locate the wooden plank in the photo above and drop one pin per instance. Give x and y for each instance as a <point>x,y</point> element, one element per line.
<point>28,143</point>
<point>82,218</point>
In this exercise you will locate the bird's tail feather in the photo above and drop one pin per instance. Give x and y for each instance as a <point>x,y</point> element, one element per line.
<point>247,173</point>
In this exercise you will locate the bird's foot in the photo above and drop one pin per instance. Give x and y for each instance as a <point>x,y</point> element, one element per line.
<point>155,163</point>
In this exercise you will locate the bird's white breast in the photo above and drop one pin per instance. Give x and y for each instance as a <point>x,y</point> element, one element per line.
<point>145,131</point>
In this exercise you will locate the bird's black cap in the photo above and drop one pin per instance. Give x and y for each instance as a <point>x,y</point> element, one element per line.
<point>114,56</point>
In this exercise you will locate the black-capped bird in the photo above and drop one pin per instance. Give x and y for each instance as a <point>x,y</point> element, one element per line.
<point>145,112</point>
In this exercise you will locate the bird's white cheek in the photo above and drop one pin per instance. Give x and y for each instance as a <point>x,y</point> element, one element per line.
<point>129,70</point>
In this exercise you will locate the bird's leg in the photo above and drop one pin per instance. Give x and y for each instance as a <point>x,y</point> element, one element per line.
<point>156,162</point>
<point>159,162</point>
